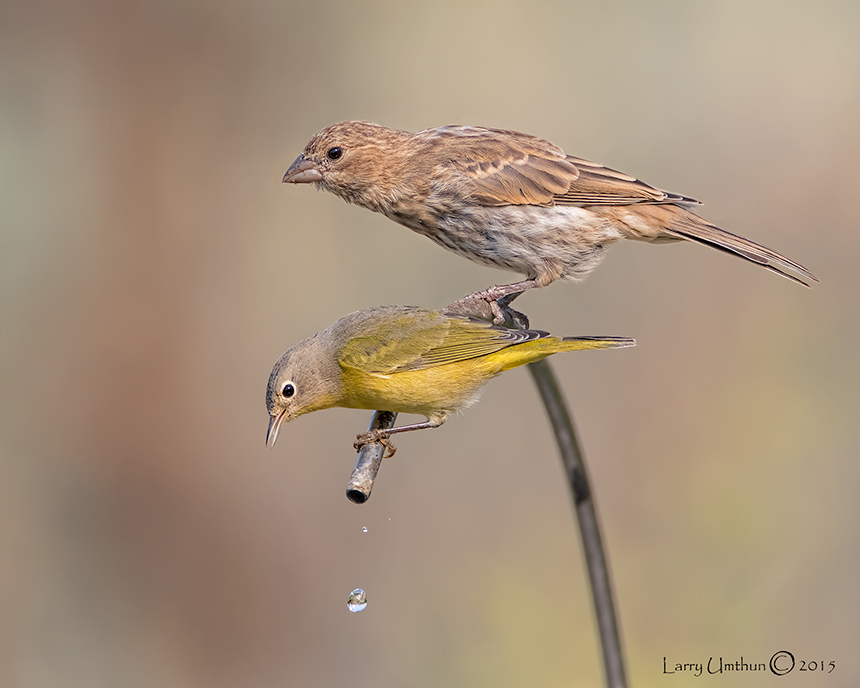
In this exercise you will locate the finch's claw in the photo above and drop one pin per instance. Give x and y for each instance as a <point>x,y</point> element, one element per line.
<point>375,436</point>
<point>498,314</point>
<point>521,320</point>
<point>488,305</point>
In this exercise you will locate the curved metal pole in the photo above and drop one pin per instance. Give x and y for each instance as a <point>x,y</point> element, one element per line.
<point>589,528</point>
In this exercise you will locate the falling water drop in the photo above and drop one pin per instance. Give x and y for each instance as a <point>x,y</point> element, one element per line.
<point>357,600</point>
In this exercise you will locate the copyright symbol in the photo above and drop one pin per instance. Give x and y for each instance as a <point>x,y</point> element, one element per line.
<point>782,662</point>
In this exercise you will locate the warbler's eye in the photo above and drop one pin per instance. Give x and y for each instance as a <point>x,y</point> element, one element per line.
<point>334,153</point>
<point>288,390</point>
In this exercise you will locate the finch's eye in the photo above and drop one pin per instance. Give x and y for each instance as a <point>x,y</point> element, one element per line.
<point>334,153</point>
<point>288,390</point>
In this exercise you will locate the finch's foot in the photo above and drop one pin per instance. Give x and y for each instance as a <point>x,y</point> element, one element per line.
<point>521,320</point>
<point>379,436</point>
<point>498,298</point>
<point>487,306</point>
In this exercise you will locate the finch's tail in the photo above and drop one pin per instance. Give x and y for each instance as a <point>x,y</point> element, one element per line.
<point>687,225</point>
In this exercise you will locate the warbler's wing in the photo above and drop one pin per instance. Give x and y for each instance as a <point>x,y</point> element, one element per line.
<point>469,338</point>
<point>425,339</point>
<point>510,168</point>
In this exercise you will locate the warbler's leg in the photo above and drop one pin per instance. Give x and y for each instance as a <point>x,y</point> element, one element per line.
<point>381,435</point>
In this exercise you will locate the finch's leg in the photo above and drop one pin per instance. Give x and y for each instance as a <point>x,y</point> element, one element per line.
<point>505,291</point>
<point>382,435</point>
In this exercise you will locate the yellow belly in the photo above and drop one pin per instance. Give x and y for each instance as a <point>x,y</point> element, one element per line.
<point>438,390</point>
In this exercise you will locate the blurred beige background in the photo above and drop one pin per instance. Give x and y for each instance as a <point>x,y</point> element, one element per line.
<point>153,267</point>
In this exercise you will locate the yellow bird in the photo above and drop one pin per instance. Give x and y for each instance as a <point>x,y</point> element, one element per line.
<point>405,359</point>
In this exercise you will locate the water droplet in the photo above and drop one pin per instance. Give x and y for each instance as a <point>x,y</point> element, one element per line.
<point>357,600</point>
<point>364,529</point>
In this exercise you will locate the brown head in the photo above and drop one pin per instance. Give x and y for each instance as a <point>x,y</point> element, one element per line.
<point>361,162</point>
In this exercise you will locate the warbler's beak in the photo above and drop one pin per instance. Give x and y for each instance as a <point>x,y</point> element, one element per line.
<point>275,423</point>
<point>303,171</point>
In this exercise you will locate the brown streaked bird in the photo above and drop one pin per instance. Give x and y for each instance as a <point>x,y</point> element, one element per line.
<point>509,200</point>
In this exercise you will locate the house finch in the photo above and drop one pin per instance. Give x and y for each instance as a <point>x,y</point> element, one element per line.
<point>509,200</point>
<point>404,359</point>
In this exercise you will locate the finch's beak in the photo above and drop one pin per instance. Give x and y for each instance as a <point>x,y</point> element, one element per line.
<point>302,172</point>
<point>275,423</point>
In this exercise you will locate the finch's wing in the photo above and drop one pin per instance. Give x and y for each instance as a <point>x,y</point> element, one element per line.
<point>425,339</point>
<point>599,185</point>
<point>510,168</point>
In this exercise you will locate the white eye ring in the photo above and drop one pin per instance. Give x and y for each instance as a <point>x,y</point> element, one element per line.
<point>288,390</point>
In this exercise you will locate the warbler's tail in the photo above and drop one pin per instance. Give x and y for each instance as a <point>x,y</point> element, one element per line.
<point>544,344</point>
<point>688,225</point>
<point>583,343</point>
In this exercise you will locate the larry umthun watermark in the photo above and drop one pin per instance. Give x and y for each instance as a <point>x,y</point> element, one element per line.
<point>780,664</point>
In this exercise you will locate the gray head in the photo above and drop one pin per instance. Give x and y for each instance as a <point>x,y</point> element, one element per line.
<point>306,378</point>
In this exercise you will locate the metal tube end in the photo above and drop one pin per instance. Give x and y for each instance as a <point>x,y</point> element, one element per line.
<point>369,460</point>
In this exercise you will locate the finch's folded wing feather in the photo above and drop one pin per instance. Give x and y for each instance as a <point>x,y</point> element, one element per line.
<point>510,168</point>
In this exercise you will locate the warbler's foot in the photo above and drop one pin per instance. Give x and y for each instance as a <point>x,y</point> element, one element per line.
<point>372,437</point>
